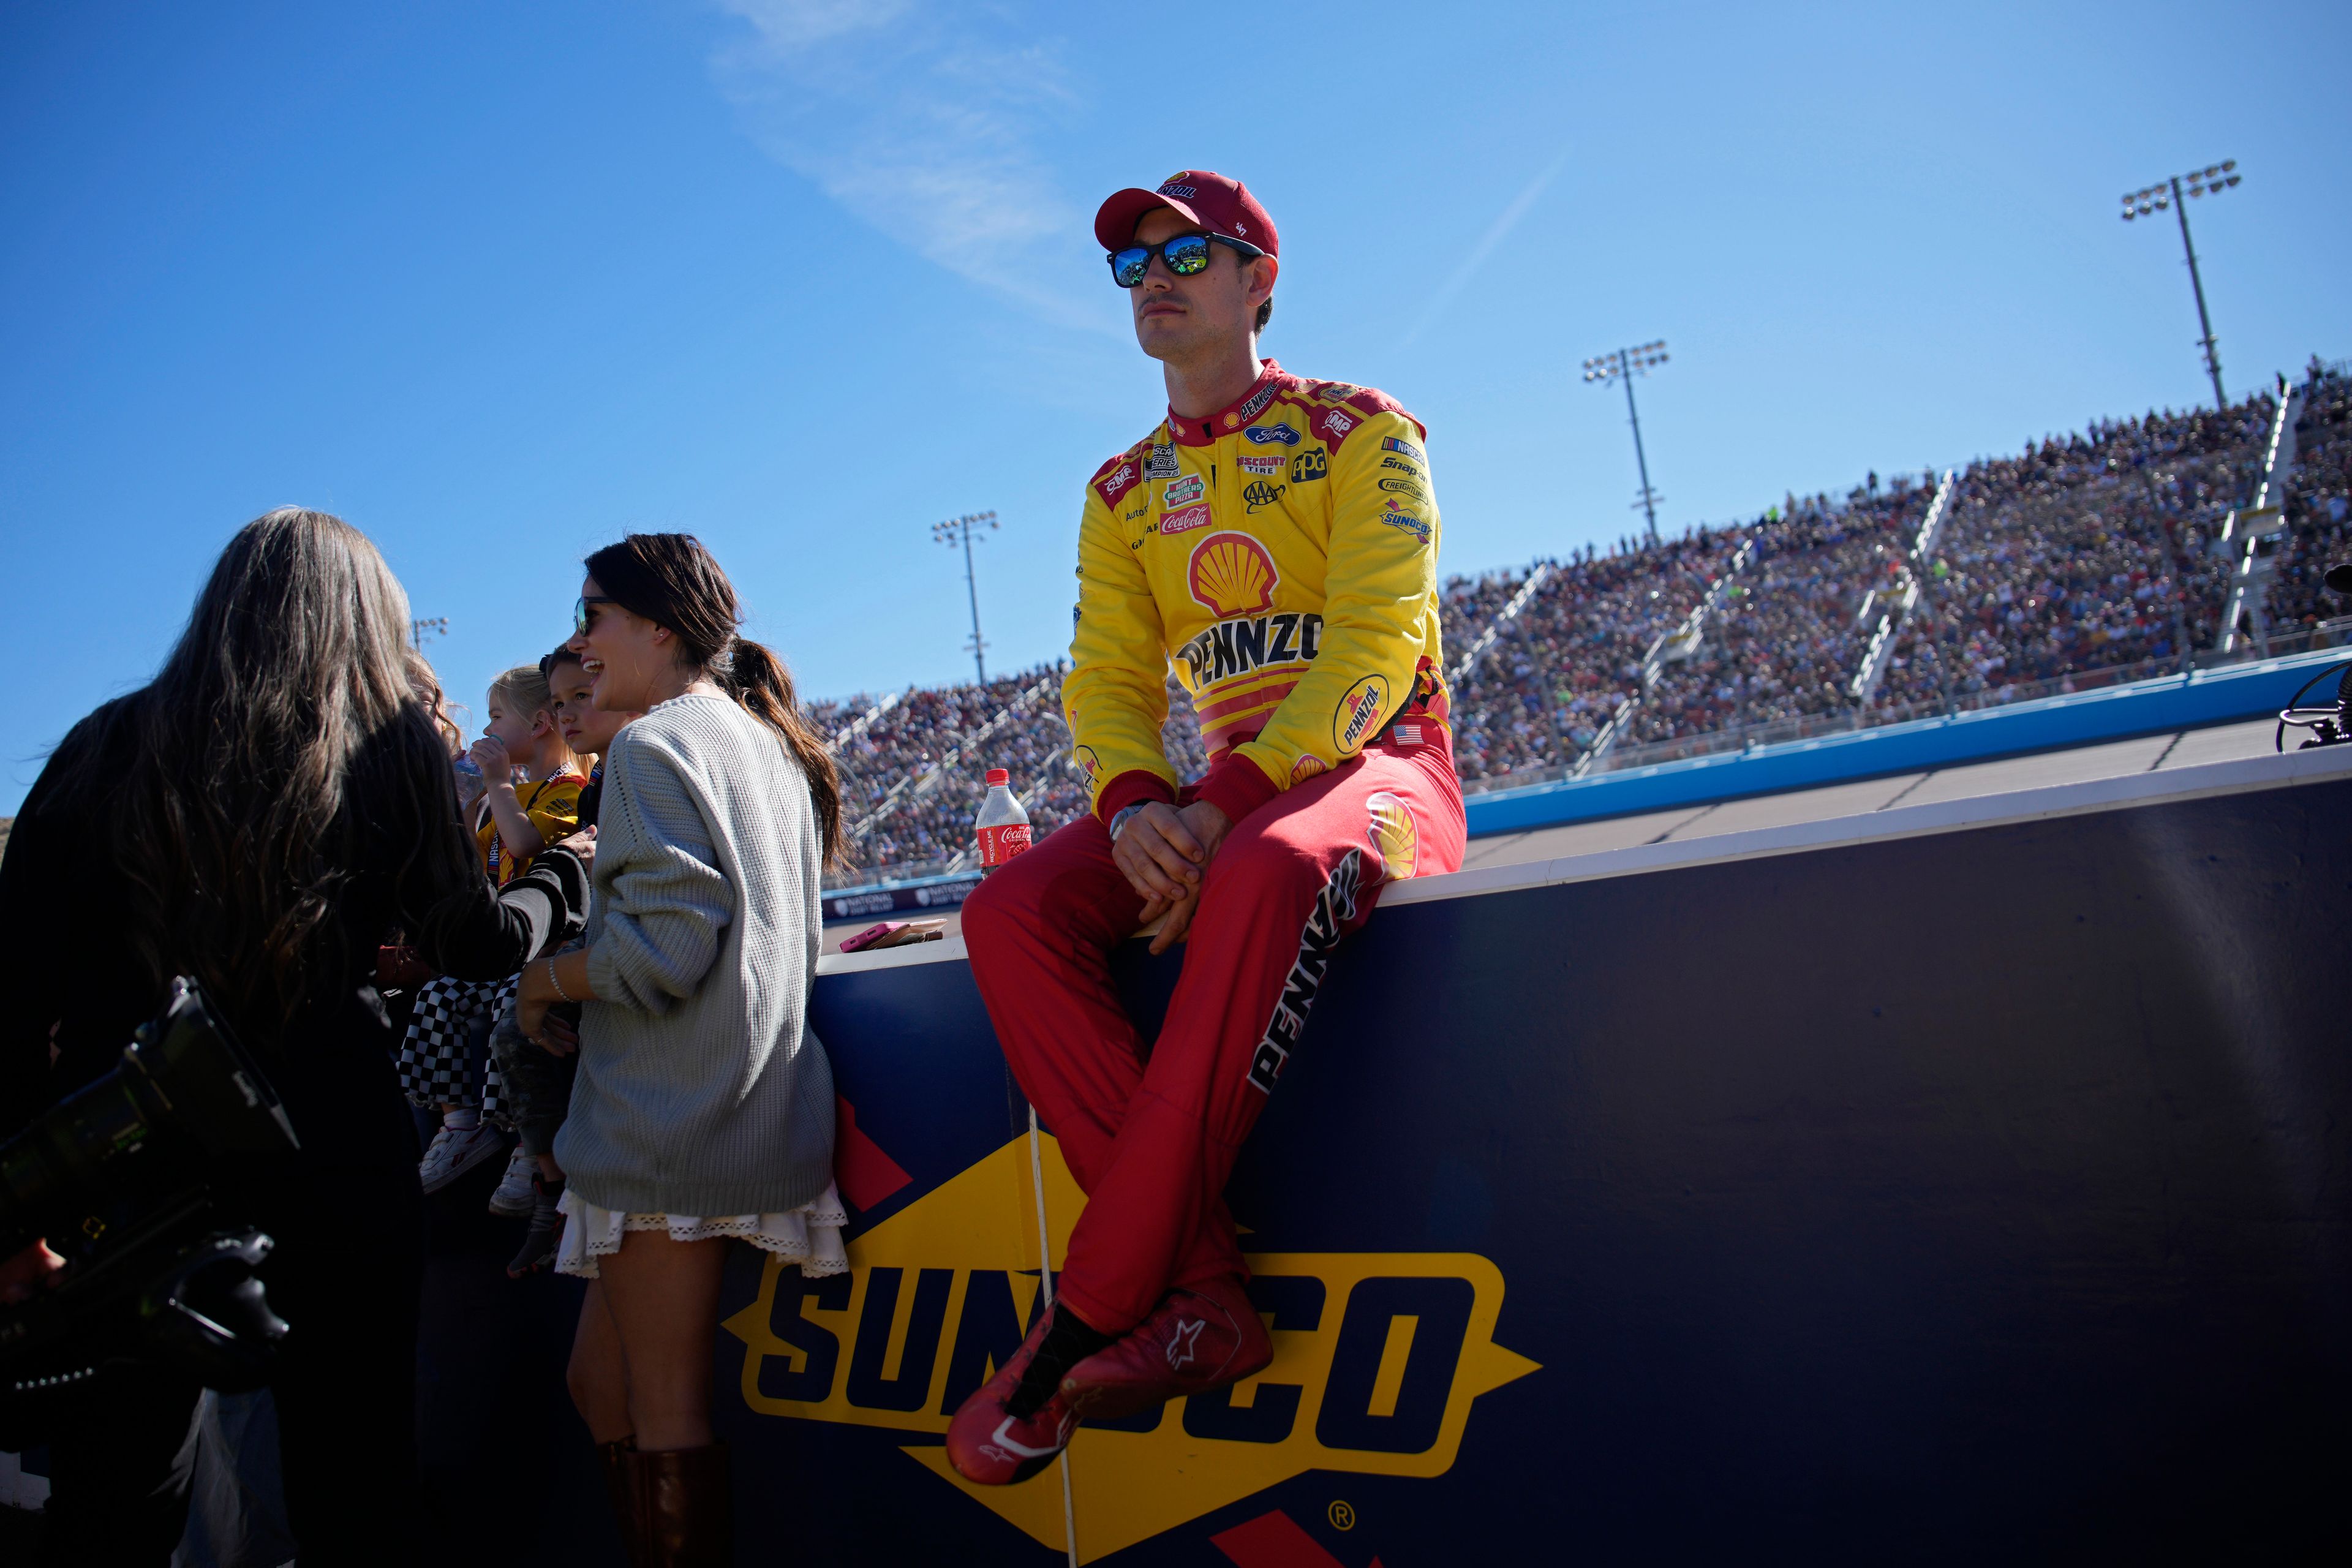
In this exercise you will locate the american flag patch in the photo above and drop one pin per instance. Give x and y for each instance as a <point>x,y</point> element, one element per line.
<point>1407,734</point>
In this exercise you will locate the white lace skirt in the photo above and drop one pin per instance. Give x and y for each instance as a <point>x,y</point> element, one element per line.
<point>809,1236</point>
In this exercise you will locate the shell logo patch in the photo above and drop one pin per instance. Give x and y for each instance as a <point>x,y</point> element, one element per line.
<point>1393,836</point>
<point>1358,711</point>
<point>1231,575</point>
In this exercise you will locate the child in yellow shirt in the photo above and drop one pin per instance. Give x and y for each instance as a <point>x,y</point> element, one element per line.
<point>519,819</point>
<point>531,801</point>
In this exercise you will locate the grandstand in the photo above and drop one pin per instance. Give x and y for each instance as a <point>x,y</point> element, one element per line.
<point>2104,556</point>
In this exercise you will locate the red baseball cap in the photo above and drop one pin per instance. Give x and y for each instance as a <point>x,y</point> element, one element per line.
<point>1219,205</point>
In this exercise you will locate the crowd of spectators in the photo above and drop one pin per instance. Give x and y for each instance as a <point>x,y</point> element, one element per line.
<point>909,807</point>
<point>1790,629</point>
<point>1572,655</point>
<point>2081,555</point>
<point>2085,553</point>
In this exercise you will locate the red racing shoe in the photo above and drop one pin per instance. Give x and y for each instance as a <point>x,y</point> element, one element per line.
<point>1194,1341</point>
<point>991,1447</point>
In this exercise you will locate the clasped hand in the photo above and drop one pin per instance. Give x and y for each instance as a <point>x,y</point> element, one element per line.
<point>1164,852</point>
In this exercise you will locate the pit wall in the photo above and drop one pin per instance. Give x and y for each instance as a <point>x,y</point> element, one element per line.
<point>1638,1208</point>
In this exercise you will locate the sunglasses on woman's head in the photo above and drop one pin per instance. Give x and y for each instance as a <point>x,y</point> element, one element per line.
<point>582,615</point>
<point>1185,255</point>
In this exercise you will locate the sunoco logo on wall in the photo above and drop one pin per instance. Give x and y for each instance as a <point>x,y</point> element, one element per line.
<point>1378,1360</point>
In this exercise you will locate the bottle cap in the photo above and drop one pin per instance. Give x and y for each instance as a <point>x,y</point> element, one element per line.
<point>999,776</point>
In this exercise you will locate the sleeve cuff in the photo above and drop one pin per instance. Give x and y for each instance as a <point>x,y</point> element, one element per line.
<point>1236,786</point>
<point>1135,784</point>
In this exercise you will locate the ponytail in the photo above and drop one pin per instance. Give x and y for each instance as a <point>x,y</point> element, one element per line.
<point>672,581</point>
<point>757,678</point>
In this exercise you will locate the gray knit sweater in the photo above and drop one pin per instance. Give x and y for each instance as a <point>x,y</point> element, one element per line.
<point>701,1090</point>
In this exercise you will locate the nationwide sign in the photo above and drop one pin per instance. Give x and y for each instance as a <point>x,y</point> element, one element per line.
<point>1380,1358</point>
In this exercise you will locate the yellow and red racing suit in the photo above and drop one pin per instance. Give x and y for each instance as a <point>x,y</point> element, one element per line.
<point>1282,556</point>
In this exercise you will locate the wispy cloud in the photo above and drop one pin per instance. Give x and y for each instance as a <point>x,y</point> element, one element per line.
<point>1496,232</point>
<point>923,125</point>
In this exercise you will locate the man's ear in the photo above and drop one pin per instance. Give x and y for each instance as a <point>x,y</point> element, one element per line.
<point>1264,270</point>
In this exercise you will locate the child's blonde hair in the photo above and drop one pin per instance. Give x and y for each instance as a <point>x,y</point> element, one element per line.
<point>525,689</point>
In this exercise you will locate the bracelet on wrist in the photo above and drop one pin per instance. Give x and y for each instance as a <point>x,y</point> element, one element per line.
<point>551,979</point>
<point>1124,814</point>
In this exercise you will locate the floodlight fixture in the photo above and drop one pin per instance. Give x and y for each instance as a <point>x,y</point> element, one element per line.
<point>2170,195</point>
<point>958,531</point>
<point>1625,364</point>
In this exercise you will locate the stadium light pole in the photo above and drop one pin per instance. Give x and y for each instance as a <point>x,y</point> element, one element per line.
<point>424,627</point>
<point>1625,364</point>
<point>959,529</point>
<point>2216,178</point>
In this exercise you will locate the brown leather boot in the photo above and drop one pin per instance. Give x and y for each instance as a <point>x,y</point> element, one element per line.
<point>686,1507</point>
<point>619,1486</point>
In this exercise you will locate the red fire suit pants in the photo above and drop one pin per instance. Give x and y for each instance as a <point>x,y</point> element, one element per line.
<point>1150,1133</point>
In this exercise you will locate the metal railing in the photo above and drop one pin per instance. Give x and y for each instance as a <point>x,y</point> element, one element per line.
<point>1681,643</point>
<point>1890,625</point>
<point>1509,613</point>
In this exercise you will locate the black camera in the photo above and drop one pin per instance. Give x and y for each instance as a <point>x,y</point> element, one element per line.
<point>119,1179</point>
<point>2328,726</point>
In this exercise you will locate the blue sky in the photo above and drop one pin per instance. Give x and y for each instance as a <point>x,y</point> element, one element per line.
<point>500,283</point>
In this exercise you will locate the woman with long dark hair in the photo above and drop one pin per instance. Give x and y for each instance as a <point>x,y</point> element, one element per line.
<point>260,816</point>
<point>703,1105</point>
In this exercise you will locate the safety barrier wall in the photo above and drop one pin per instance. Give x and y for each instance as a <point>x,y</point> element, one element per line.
<point>2113,713</point>
<point>1614,1207</point>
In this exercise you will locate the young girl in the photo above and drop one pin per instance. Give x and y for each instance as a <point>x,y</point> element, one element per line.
<point>703,1105</point>
<point>520,817</point>
<point>535,1080</point>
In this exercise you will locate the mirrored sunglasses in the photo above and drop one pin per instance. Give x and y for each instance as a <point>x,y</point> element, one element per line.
<point>1185,255</point>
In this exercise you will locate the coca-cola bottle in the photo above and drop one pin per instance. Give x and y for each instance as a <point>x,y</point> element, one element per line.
<point>1001,825</point>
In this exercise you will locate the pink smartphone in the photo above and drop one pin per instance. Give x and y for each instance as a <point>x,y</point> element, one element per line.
<point>873,936</point>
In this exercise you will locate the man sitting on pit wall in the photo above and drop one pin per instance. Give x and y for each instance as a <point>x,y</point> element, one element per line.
<point>1277,540</point>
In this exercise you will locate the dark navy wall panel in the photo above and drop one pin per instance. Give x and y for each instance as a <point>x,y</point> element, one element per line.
<point>1976,1192</point>
<point>1983,1194</point>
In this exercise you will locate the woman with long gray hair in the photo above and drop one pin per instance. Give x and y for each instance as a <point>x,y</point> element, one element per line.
<point>260,816</point>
